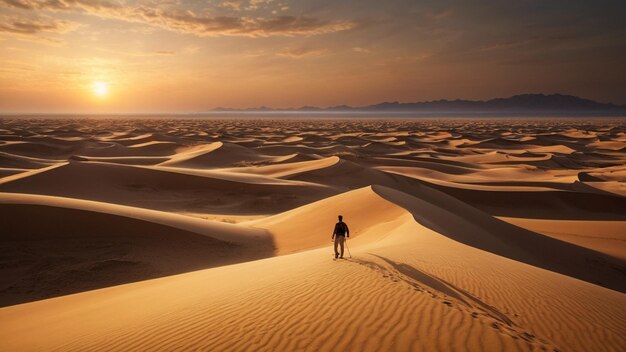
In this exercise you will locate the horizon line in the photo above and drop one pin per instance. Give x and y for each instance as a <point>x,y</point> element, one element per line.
<point>332,109</point>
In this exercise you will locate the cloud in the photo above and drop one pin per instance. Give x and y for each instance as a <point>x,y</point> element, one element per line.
<point>60,5</point>
<point>231,4</point>
<point>440,15</point>
<point>506,44</point>
<point>27,26</point>
<point>290,25</point>
<point>255,4</point>
<point>298,53</point>
<point>10,66</point>
<point>359,49</point>
<point>187,21</point>
<point>164,52</point>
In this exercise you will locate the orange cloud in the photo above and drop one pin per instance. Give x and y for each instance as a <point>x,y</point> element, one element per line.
<point>188,22</point>
<point>299,53</point>
<point>30,26</point>
<point>59,4</point>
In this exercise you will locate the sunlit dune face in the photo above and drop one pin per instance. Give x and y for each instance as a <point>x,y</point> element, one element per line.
<point>100,89</point>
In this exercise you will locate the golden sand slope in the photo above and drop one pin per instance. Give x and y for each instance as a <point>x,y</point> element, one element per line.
<point>406,287</point>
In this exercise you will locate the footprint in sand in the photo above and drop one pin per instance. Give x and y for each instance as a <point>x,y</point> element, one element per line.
<point>420,281</point>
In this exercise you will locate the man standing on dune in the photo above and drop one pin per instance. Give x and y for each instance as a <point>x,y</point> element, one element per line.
<point>339,235</point>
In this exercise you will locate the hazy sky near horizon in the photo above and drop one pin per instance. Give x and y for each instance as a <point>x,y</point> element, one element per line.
<point>181,56</point>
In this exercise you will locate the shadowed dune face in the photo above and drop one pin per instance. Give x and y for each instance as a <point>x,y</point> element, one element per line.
<point>200,234</point>
<point>470,226</point>
<point>60,251</point>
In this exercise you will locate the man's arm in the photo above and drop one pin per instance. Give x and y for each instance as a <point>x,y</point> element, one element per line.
<point>347,230</point>
<point>334,232</point>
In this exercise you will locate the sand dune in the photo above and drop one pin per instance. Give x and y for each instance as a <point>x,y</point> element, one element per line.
<point>24,162</point>
<point>546,204</point>
<point>112,149</point>
<point>174,234</point>
<point>162,188</point>
<point>496,175</point>
<point>10,171</point>
<point>348,174</point>
<point>129,160</point>
<point>606,237</point>
<point>104,245</point>
<point>442,214</point>
<point>615,187</point>
<point>297,229</point>
<point>215,155</point>
<point>335,172</point>
<point>286,170</point>
<point>399,284</point>
<point>367,208</point>
<point>36,150</point>
<point>304,149</point>
<point>531,199</point>
<point>127,140</point>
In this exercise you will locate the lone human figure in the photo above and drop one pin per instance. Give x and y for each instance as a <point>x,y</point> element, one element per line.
<point>339,235</point>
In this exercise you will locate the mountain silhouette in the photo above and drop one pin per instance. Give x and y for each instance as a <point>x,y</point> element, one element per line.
<point>523,104</point>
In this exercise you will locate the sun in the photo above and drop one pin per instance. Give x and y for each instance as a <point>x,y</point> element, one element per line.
<point>100,88</point>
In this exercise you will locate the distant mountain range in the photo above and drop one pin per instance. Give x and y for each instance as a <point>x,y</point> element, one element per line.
<point>517,105</point>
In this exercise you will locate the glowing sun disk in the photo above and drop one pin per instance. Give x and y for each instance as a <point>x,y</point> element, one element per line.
<point>100,88</point>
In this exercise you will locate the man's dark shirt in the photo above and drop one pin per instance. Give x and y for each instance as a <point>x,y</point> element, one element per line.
<point>341,229</point>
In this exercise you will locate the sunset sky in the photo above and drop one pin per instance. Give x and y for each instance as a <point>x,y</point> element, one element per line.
<point>184,56</point>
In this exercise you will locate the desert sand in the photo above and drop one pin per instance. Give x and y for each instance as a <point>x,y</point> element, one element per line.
<point>195,234</point>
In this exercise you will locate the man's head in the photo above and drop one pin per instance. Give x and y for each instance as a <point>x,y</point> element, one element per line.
<point>340,217</point>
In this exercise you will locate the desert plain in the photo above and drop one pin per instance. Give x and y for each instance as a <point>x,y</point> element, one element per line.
<point>166,234</point>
